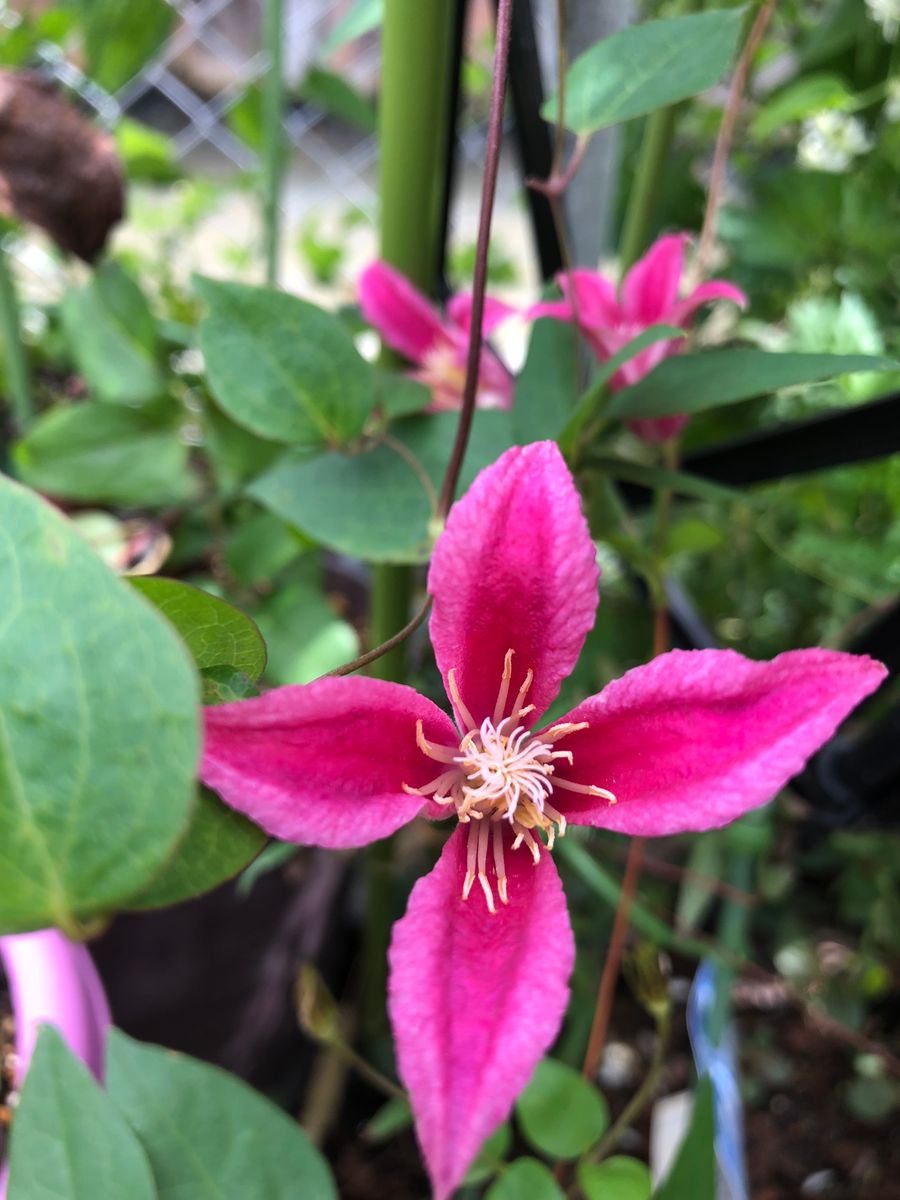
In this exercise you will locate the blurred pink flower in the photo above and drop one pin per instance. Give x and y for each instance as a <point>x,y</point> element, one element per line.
<point>53,981</point>
<point>409,324</point>
<point>479,965</point>
<point>648,296</point>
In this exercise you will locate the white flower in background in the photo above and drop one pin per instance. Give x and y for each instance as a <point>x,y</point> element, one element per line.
<point>830,141</point>
<point>887,14</point>
<point>892,101</point>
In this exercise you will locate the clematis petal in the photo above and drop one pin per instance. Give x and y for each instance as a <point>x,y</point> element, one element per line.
<point>650,288</point>
<point>475,1000</point>
<point>54,981</point>
<point>459,311</point>
<point>324,764</point>
<point>716,289</point>
<point>593,295</point>
<point>515,569</point>
<point>694,739</point>
<point>401,314</point>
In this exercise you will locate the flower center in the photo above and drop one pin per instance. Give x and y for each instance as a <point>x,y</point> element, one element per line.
<point>501,771</point>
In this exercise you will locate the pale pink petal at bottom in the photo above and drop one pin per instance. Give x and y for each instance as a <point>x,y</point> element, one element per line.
<point>401,314</point>
<point>459,311</point>
<point>515,569</point>
<point>324,764</point>
<point>475,1000</point>
<point>696,738</point>
<point>54,981</point>
<point>650,288</point>
<point>716,289</point>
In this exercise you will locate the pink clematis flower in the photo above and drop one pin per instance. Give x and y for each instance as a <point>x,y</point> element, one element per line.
<point>411,326</point>
<point>479,965</point>
<point>648,296</point>
<point>53,981</point>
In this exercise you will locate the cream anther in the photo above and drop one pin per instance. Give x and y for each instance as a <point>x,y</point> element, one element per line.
<point>501,776</point>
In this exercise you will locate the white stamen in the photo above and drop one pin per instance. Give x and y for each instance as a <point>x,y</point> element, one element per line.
<point>501,776</point>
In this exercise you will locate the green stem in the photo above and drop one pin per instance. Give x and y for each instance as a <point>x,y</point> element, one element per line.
<point>416,58</point>
<point>390,597</point>
<point>273,135</point>
<point>734,922</point>
<point>641,1097</point>
<point>11,331</point>
<point>416,45</point>
<point>642,200</point>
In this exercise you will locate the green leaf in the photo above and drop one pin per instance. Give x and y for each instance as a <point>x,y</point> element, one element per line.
<point>98,725</point>
<point>694,1171</point>
<point>148,156</point>
<point>69,1142</point>
<point>363,17</point>
<point>491,1156</point>
<point>275,855</point>
<point>120,37</point>
<point>331,92</point>
<point>208,1135</point>
<point>224,685</point>
<point>590,405</point>
<point>618,1178</point>
<point>111,334</point>
<point>561,1114</point>
<point>657,477</point>
<point>808,95</point>
<point>705,865</point>
<point>393,1117</point>
<point>219,843</point>
<point>306,637</point>
<point>525,1179</point>
<point>282,368</point>
<point>216,633</point>
<point>260,547</point>
<point>647,66</point>
<point>106,456</point>
<point>689,383</point>
<point>374,505</point>
<point>547,388</point>
<point>400,396</point>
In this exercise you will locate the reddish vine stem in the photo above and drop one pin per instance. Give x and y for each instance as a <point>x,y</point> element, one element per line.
<point>725,134</point>
<point>479,283</point>
<point>610,976</point>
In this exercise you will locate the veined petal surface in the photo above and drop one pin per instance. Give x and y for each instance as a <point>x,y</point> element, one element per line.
<point>696,738</point>
<point>475,1000</point>
<point>324,763</point>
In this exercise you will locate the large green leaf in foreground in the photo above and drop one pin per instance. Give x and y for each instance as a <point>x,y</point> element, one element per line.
<point>98,725</point>
<point>69,1142</point>
<point>208,1135</point>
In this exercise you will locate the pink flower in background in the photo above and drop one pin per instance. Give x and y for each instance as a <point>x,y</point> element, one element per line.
<point>54,981</point>
<point>479,965</point>
<point>411,326</point>
<point>648,296</point>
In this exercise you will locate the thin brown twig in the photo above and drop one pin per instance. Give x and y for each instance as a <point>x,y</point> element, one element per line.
<point>609,978</point>
<point>669,870</point>
<point>377,651</point>
<point>724,136</point>
<point>479,283</point>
